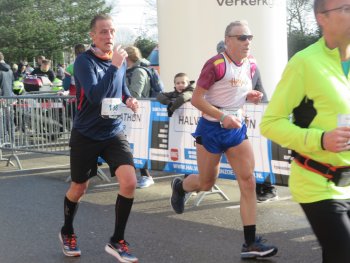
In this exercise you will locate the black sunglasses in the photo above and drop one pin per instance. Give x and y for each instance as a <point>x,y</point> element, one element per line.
<point>344,8</point>
<point>243,37</point>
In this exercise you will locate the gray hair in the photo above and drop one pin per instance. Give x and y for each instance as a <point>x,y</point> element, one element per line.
<point>234,24</point>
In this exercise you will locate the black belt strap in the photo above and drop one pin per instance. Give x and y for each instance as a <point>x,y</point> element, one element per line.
<point>327,170</point>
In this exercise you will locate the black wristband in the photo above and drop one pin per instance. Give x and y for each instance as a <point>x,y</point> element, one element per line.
<point>322,141</point>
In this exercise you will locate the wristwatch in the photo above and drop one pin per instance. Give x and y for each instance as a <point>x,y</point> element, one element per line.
<point>222,120</point>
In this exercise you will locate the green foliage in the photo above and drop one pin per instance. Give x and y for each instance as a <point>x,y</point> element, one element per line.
<point>298,41</point>
<point>35,27</point>
<point>146,45</point>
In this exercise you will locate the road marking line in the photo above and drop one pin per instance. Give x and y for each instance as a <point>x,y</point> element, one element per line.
<point>33,174</point>
<point>154,178</point>
<point>268,202</point>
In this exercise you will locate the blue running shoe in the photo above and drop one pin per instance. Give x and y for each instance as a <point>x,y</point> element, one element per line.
<point>258,249</point>
<point>145,181</point>
<point>177,199</point>
<point>120,251</point>
<point>69,245</point>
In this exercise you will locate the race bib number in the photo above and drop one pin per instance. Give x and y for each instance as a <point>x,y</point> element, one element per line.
<point>110,107</point>
<point>237,113</point>
<point>343,120</point>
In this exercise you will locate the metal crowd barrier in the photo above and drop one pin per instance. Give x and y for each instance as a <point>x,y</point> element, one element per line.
<point>36,123</point>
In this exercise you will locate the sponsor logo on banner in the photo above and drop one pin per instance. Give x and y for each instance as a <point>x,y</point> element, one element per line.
<point>174,154</point>
<point>186,119</point>
<point>280,167</point>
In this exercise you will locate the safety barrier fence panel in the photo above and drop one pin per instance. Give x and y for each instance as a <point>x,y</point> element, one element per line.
<point>36,123</point>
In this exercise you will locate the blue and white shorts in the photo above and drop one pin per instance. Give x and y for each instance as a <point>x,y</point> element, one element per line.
<point>216,139</point>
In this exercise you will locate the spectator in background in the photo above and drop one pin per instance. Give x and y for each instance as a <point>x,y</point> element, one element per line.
<point>15,71</point>
<point>220,47</point>
<point>137,78</point>
<point>29,69</point>
<point>39,60</point>
<point>69,82</point>
<point>44,70</point>
<point>182,93</point>
<point>6,84</point>
<point>60,71</point>
<point>139,86</point>
<point>264,191</point>
<point>6,78</point>
<point>21,70</point>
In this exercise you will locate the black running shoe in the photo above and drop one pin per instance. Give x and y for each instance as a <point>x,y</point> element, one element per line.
<point>266,193</point>
<point>177,199</point>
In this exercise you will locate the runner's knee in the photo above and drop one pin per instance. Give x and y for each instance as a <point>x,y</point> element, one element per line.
<point>76,191</point>
<point>206,186</point>
<point>127,180</point>
<point>247,182</point>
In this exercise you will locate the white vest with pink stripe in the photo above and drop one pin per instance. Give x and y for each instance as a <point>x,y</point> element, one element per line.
<point>230,92</point>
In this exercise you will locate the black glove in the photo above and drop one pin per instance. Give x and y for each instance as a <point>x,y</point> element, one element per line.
<point>170,112</point>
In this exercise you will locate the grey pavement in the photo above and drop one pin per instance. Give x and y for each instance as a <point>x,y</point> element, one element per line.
<point>31,202</point>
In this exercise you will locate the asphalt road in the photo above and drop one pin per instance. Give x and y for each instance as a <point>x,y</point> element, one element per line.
<point>31,203</point>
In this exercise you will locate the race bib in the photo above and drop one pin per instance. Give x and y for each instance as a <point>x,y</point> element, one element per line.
<point>343,120</point>
<point>110,107</point>
<point>236,113</point>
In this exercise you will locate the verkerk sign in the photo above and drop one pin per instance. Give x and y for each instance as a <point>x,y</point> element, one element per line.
<point>269,3</point>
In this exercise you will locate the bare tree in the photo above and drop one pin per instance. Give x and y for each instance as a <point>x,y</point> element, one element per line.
<point>150,28</point>
<point>146,24</point>
<point>115,6</point>
<point>300,16</point>
<point>125,36</point>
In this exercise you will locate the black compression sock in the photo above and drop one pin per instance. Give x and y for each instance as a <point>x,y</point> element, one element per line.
<point>122,211</point>
<point>179,187</point>
<point>70,209</point>
<point>249,234</point>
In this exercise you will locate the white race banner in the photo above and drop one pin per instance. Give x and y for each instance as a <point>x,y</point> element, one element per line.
<point>167,144</point>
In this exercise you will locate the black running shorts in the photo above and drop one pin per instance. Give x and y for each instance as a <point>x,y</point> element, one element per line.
<point>85,151</point>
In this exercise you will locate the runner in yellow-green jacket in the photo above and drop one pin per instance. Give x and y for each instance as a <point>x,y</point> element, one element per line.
<point>315,91</point>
